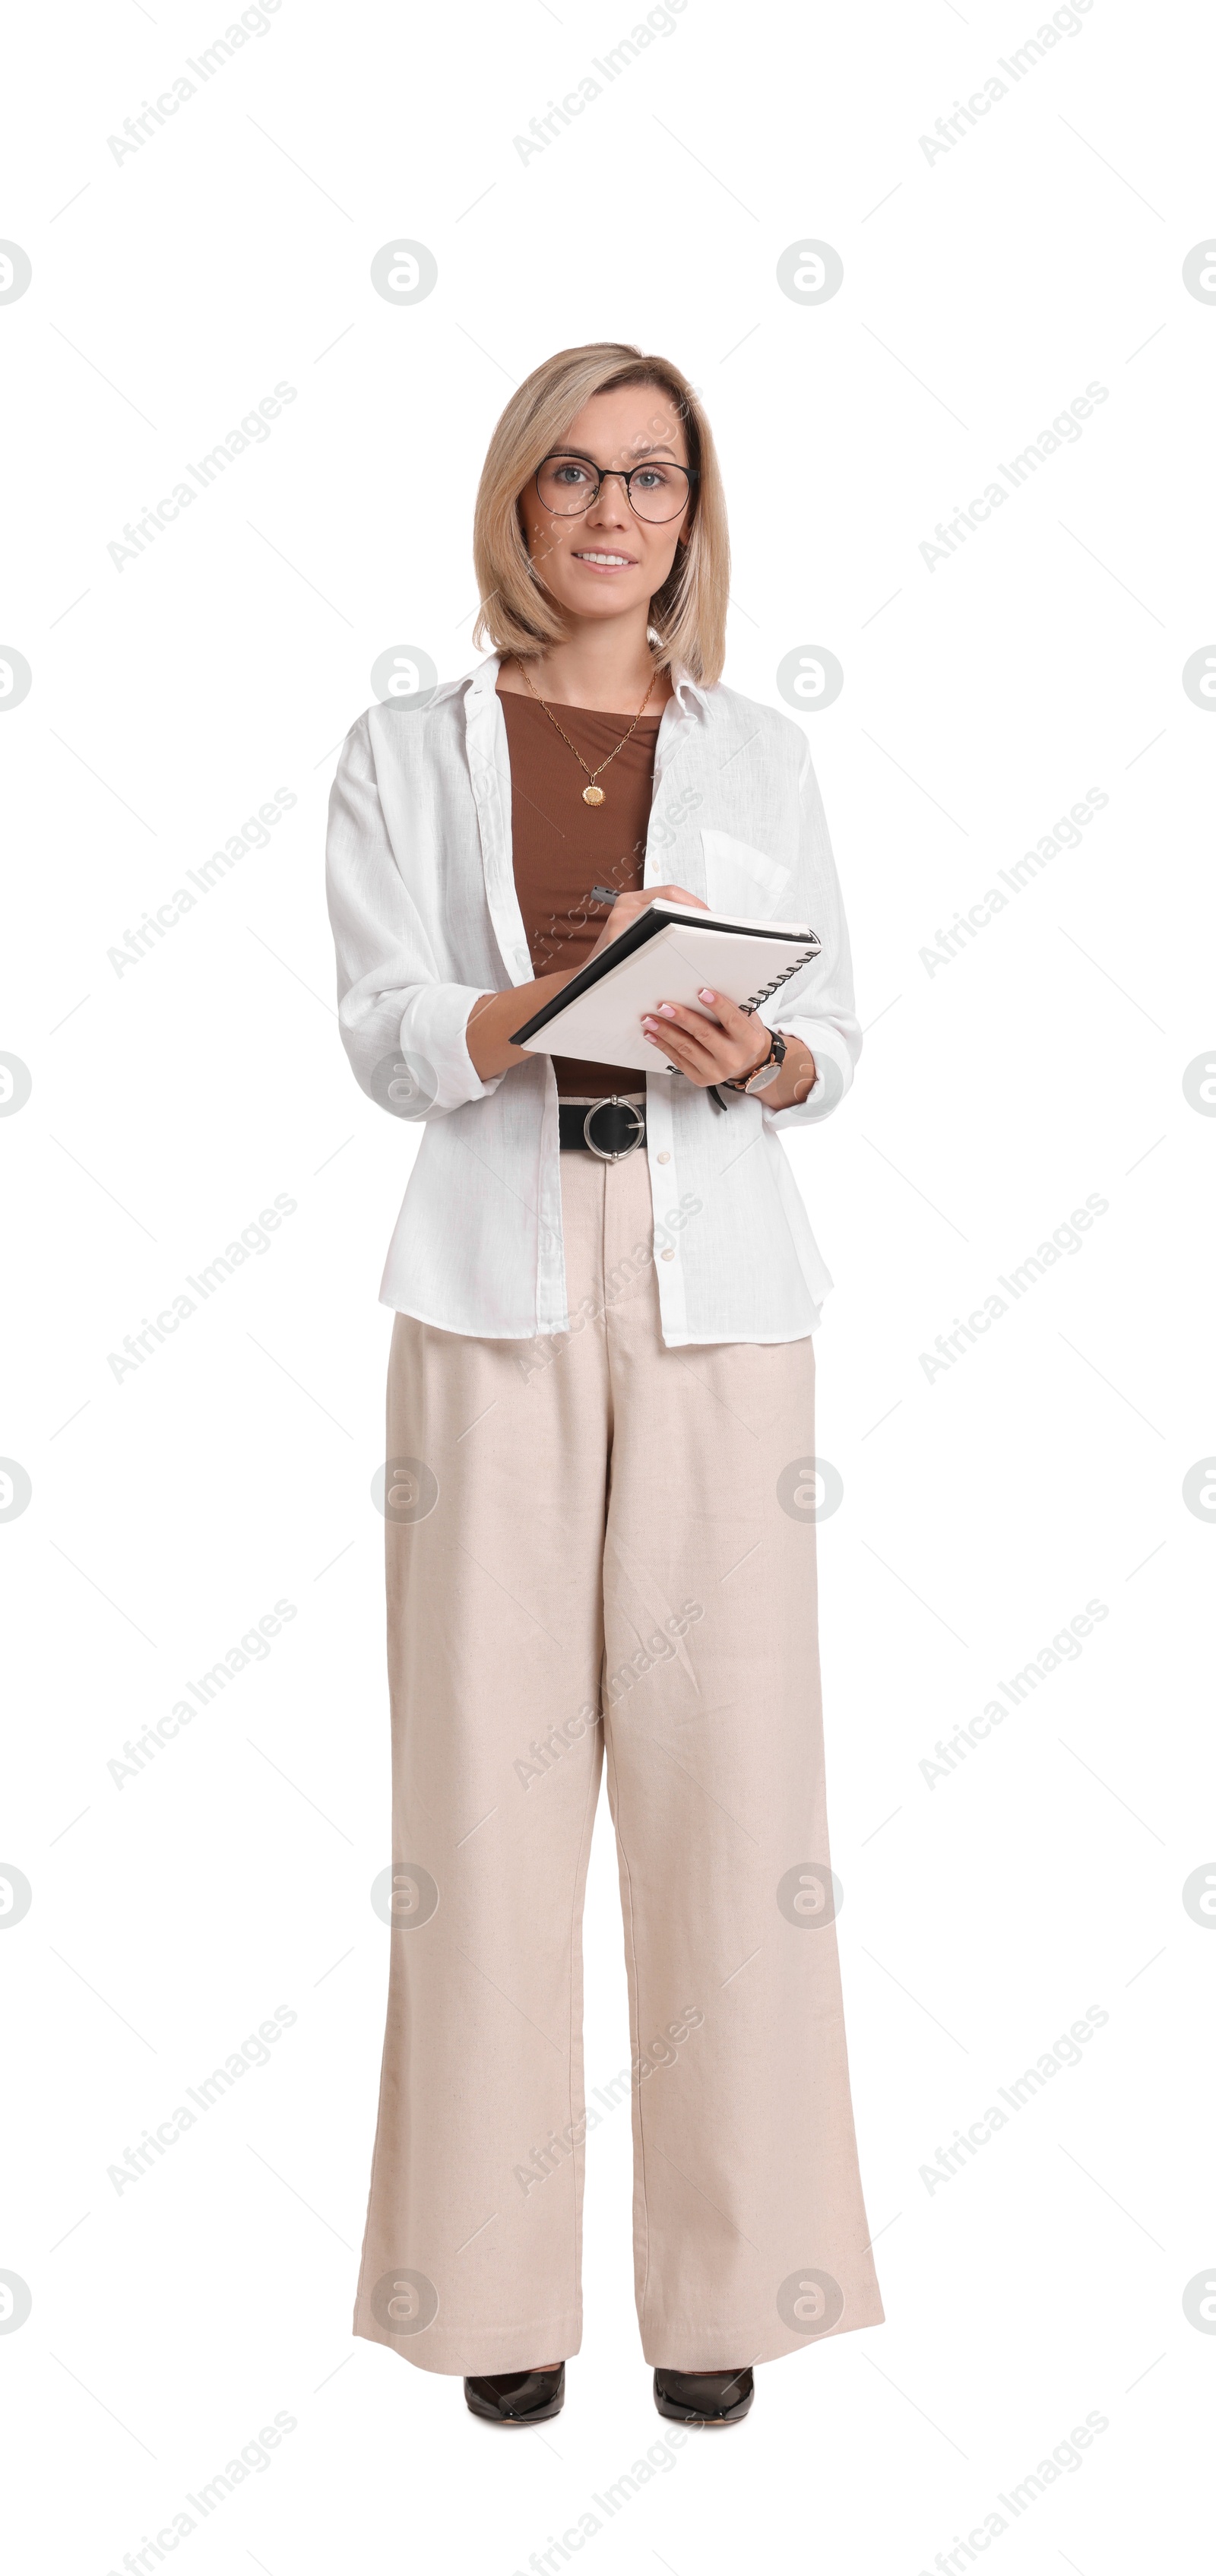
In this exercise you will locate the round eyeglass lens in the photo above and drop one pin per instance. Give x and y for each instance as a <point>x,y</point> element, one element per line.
<point>659,490</point>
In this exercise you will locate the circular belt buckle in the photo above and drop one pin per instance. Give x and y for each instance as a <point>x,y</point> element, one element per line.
<point>613,1102</point>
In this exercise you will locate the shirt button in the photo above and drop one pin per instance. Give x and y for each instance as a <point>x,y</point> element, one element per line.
<point>663,1158</point>
<point>668,1255</point>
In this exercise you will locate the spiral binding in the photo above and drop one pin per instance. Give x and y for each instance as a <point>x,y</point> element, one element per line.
<point>766,990</point>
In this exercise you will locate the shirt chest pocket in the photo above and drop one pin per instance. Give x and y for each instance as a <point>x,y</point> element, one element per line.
<point>741,879</point>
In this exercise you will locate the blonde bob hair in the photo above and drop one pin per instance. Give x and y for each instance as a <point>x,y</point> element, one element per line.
<point>516,615</point>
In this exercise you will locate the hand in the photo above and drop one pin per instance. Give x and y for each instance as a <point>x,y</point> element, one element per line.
<point>708,1050</point>
<point>628,906</point>
<point>494,1015</point>
<point>725,1046</point>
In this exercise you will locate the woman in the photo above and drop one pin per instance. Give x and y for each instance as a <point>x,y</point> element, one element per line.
<point>599,1439</point>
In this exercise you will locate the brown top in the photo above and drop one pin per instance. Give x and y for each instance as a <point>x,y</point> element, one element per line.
<point>563,848</point>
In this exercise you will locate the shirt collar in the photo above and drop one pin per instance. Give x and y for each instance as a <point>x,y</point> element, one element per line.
<point>685,687</point>
<point>481,682</point>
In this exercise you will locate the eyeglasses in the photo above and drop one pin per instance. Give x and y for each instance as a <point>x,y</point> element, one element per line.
<point>566,486</point>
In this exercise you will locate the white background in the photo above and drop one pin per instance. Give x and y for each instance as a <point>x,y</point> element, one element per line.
<point>982,1509</point>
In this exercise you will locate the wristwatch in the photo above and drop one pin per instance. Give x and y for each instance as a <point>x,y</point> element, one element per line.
<point>765,1072</point>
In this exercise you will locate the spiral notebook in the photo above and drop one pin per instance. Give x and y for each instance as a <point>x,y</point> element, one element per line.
<point>665,955</point>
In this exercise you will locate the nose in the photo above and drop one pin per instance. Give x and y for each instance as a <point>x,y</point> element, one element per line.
<point>610,508</point>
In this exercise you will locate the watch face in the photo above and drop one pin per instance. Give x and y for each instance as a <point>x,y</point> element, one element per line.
<point>768,1073</point>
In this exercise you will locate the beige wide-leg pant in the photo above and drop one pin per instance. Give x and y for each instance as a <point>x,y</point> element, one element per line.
<point>585,1525</point>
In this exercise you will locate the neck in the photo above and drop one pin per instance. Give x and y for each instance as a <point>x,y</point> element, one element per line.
<point>604,664</point>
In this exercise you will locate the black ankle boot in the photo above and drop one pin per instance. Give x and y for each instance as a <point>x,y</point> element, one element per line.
<point>517,2396</point>
<point>704,2397</point>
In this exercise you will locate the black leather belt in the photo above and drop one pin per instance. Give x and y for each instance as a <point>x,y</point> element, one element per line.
<point>610,1128</point>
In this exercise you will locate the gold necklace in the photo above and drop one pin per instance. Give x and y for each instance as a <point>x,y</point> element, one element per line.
<point>592,795</point>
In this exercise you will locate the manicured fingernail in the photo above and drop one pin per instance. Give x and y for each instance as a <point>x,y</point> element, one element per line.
<point>665,1011</point>
<point>706,995</point>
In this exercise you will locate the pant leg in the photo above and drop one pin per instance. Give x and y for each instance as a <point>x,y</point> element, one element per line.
<point>471,2257</point>
<point>750,2229</point>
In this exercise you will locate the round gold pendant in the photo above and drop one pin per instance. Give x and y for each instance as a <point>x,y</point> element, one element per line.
<point>593,795</point>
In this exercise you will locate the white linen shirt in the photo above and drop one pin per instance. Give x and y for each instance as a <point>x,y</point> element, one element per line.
<point>425,919</point>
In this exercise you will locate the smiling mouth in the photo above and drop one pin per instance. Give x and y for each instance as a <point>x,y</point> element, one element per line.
<point>607,561</point>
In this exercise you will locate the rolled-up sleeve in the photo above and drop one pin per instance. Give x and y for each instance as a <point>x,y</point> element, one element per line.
<point>817,1006</point>
<point>403,1026</point>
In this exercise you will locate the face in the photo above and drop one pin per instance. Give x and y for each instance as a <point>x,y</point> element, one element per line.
<point>608,560</point>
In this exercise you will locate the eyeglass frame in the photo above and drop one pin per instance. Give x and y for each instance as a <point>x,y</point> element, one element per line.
<point>624,474</point>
